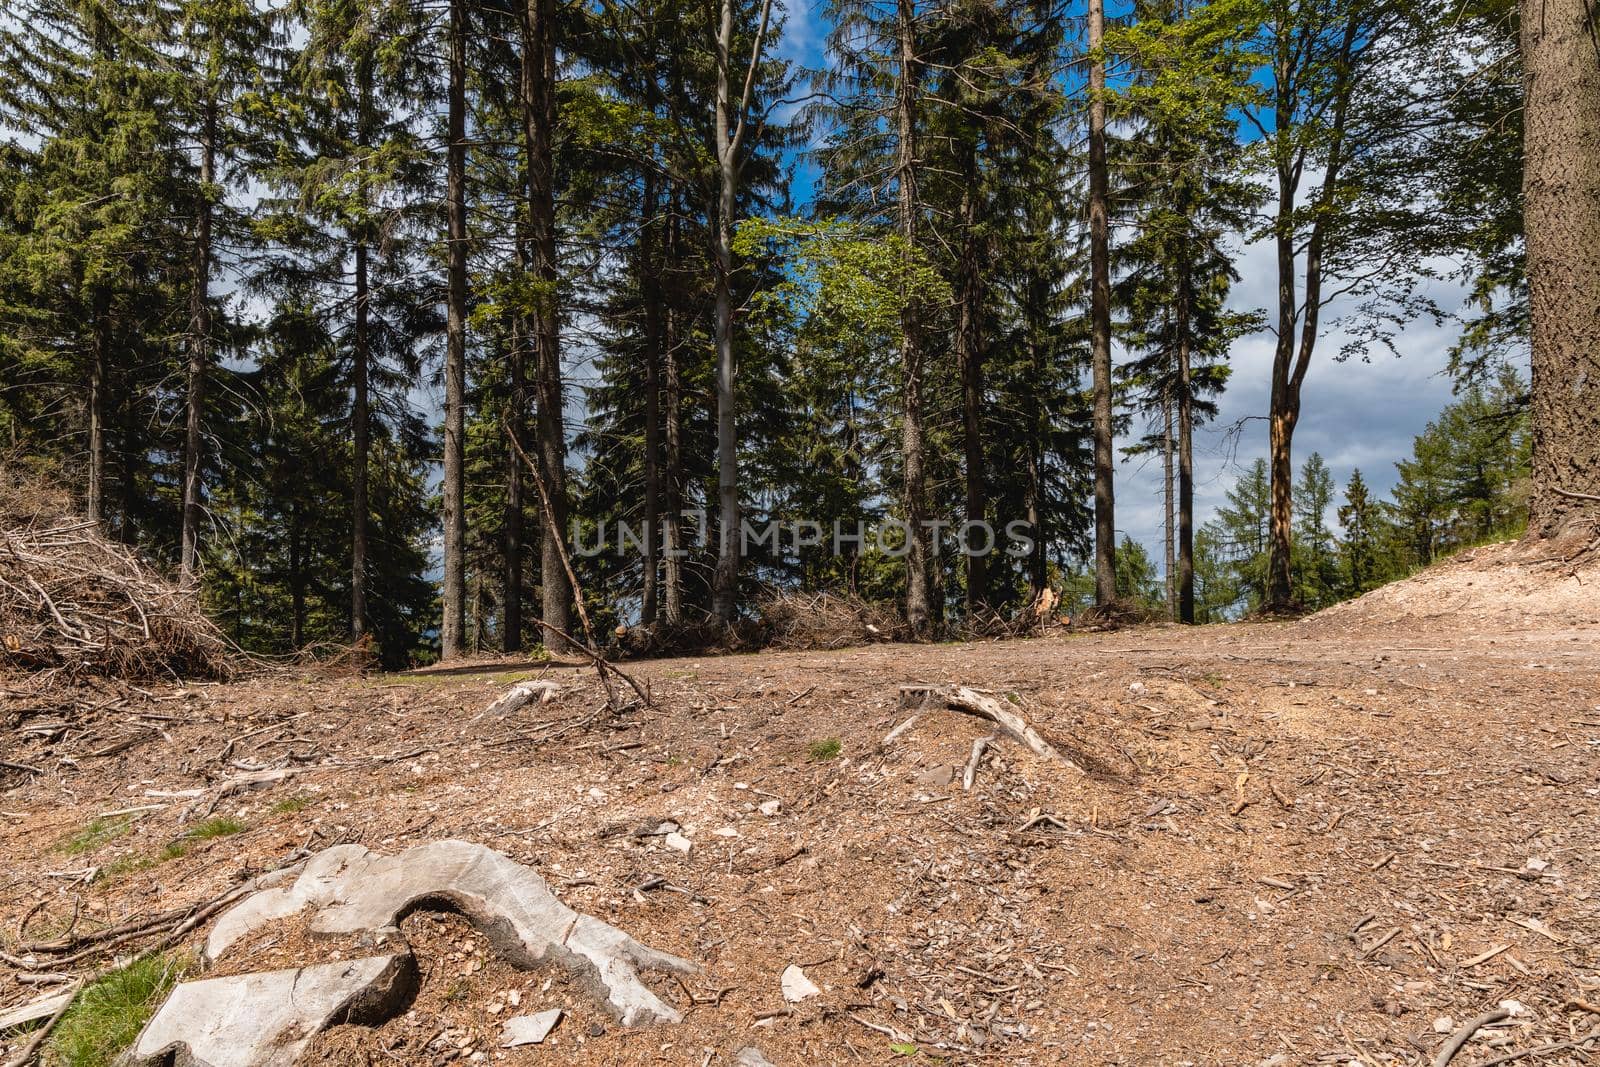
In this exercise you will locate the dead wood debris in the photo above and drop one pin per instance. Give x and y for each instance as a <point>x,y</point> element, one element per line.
<point>74,600</point>
<point>972,702</point>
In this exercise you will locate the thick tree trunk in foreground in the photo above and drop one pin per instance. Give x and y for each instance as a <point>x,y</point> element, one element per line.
<point>451,633</point>
<point>199,352</point>
<point>1561,188</point>
<point>922,610</point>
<point>1105,523</point>
<point>539,117</point>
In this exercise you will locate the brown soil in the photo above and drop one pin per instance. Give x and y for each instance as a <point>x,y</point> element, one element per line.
<point>1297,843</point>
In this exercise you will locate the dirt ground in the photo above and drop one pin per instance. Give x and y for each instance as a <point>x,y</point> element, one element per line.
<point>1331,841</point>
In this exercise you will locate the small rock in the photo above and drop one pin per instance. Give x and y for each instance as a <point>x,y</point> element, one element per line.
<point>937,777</point>
<point>770,808</point>
<point>597,1029</point>
<point>1443,1024</point>
<point>1515,1007</point>
<point>796,986</point>
<point>1137,688</point>
<point>726,831</point>
<point>678,842</point>
<point>1535,864</point>
<point>750,1056</point>
<point>529,1029</point>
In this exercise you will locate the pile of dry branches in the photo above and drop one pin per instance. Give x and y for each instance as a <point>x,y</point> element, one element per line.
<point>796,620</point>
<point>74,600</point>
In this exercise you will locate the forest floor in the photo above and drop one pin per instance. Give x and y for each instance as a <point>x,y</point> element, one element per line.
<point>1330,841</point>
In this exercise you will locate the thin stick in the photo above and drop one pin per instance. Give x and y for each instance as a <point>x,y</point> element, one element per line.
<point>30,1051</point>
<point>1570,495</point>
<point>555,537</point>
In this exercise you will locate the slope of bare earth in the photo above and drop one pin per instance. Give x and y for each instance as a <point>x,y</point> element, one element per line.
<point>1322,842</point>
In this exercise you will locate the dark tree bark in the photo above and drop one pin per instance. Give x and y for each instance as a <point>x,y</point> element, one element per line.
<point>99,359</point>
<point>922,609</point>
<point>1561,193</point>
<point>511,582</point>
<point>672,417</point>
<point>539,118</point>
<point>1039,421</point>
<point>360,432</point>
<point>969,357</point>
<point>361,355</point>
<point>1185,457</point>
<point>451,633</point>
<point>1105,524</point>
<point>1169,527</point>
<point>650,293</point>
<point>199,350</point>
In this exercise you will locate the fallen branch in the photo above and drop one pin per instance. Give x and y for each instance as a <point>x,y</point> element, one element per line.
<point>1539,1050</point>
<point>1458,1040</point>
<point>971,702</point>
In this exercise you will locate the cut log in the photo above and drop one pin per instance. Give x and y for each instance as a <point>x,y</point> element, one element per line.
<point>972,702</point>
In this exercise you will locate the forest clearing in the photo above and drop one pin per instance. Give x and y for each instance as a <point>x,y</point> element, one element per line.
<point>1329,841</point>
<point>789,532</point>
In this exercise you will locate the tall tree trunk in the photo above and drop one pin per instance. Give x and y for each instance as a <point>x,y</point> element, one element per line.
<point>1169,531</point>
<point>672,417</point>
<point>511,596</point>
<point>452,632</point>
<point>1185,458</point>
<point>99,361</point>
<point>1292,356</point>
<point>539,117</point>
<point>361,437</point>
<point>650,294</point>
<point>297,580</point>
<point>1105,524</point>
<point>199,349</point>
<point>1038,422</point>
<point>724,588</point>
<point>921,609</point>
<point>1561,192</point>
<point>969,356</point>
<point>361,356</point>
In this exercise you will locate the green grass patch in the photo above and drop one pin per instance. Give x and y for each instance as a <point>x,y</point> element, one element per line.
<point>290,805</point>
<point>824,749</point>
<point>216,826</point>
<point>121,868</point>
<point>108,1015</point>
<point>95,833</point>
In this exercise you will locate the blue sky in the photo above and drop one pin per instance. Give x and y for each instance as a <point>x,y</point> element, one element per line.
<point>1356,414</point>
